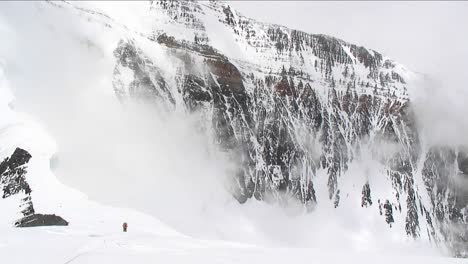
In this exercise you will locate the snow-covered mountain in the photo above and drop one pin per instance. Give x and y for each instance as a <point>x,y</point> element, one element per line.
<point>306,118</point>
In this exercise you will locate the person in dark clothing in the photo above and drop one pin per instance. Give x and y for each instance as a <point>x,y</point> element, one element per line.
<point>125,226</point>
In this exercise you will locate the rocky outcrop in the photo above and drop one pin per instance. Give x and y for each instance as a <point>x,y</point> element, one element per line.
<point>366,196</point>
<point>13,179</point>
<point>41,220</point>
<point>14,184</point>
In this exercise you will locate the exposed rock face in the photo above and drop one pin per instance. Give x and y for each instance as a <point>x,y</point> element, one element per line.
<point>291,108</point>
<point>263,121</point>
<point>388,213</point>
<point>13,179</point>
<point>13,183</point>
<point>366,196</point>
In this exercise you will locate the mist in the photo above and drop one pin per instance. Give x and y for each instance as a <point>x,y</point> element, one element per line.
<point>133,155</point>
<point>143,157</point>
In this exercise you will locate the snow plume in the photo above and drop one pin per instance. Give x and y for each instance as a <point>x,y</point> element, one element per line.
<point>138,156</point>
<point>127,155</point>
<point>440,99</point>
<point>441,109</point>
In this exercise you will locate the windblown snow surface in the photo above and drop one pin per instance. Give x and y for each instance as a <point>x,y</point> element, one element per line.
<point>57,102</point>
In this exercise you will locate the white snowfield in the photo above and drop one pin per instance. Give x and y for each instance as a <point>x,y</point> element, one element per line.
<point>109,245</point>
<point>50,63</point>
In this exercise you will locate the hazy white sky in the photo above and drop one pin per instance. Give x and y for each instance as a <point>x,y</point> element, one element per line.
<point>409,32</point>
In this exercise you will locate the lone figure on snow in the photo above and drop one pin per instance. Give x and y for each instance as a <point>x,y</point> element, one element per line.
<point>125,226</point>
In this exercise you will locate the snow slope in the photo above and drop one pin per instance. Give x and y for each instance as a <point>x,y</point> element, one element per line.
<point>71,66</point>
<point>94,234</point>
<point>61,245</point>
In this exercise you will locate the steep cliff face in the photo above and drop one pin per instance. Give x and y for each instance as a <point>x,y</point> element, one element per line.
<point>307,118</point>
